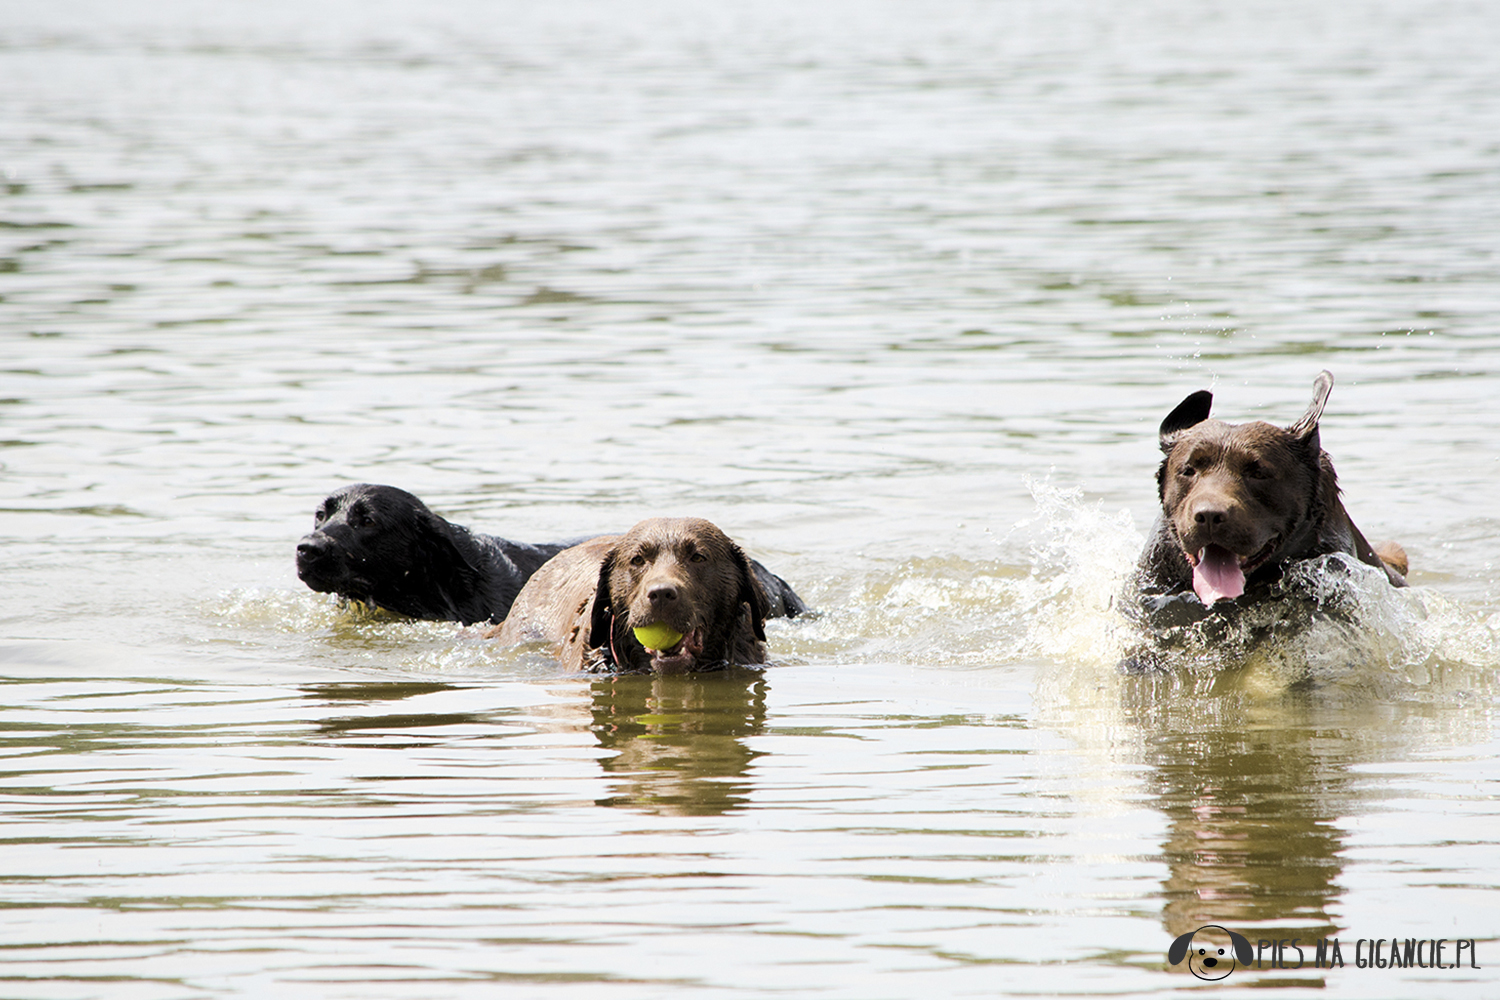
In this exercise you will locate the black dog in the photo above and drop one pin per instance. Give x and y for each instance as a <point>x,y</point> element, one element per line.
<point>381,545</point>
<point>1241,503</point>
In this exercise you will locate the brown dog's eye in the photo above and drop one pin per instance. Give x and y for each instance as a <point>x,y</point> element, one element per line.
<point>698,557</point>
<point>1187,470</point>
<point>637,560</point>
<point>1255,470</point>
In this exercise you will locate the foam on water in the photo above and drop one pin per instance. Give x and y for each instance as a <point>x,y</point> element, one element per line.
<point>1334,624</point>
<point>350,634</point>
<point>1047,594</point>
<point>308,612</point>
<point>1337,626</point>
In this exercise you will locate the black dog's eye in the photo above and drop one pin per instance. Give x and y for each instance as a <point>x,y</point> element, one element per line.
<point>320,515</point>
<point>359,516</point>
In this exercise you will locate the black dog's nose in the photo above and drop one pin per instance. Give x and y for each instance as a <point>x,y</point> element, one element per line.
<point>313,553</point>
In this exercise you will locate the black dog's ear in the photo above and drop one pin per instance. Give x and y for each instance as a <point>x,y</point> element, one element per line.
<point>1242,949</point>
<point>1189,413</point>
<point>602,619</point>
<point>1305,430</point>
<point>750,592</point>
<point>1179,949</point>
<point>441,579</point>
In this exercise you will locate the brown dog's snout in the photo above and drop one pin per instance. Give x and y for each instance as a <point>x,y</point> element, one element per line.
<point>664,583</point>
<point>1211,505</point>
<point>1210,514</point>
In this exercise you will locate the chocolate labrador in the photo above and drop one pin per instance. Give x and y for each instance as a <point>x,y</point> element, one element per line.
<point>1240,502</point>
<point>671,596</point>
<point>381,545</point>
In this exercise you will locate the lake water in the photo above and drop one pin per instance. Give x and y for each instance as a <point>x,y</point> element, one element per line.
<point>897,294</point>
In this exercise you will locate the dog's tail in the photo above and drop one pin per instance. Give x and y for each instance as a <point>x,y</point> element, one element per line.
<point>1393,555</point>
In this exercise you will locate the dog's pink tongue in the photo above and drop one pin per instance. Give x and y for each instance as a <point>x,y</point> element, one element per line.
<point>1218,575</point>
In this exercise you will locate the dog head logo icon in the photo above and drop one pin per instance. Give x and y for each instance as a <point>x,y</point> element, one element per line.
<point>1207,961</point>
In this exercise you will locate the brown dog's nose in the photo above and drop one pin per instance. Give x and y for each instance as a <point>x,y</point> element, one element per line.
<point>1210,515</point>
<point>661,593</point>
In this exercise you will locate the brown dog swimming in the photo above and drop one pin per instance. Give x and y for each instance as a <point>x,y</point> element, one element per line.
<point>1240,502</point>
<point>677,582</point>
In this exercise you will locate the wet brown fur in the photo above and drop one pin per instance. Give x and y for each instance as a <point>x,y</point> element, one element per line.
<point>1268,494</point>
<point>683,572</point>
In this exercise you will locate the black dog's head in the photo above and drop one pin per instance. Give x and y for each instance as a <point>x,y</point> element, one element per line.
<point>1211,962</point>
<point>381,545</point>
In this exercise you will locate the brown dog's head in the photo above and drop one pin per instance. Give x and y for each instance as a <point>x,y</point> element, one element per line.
<point>1239,498</point>
<point>687,575</point>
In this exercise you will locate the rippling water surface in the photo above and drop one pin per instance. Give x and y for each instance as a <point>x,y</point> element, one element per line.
<point>895,293</point>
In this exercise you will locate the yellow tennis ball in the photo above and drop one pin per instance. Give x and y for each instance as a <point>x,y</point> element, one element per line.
<point>658,636</point>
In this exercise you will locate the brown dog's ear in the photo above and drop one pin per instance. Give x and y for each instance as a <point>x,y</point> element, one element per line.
<point>1189,413</point>
<point>750,592</point>
<point>1305,430</point>
<point>603,616</point>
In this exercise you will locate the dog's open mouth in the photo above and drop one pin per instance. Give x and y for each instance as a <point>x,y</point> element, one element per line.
<point>1219,574</point>
<point>681,657</point>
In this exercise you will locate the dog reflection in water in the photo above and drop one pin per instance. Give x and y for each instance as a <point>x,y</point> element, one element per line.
<point>679,741</point>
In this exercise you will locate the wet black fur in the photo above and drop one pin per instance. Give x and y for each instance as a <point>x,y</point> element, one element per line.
<point>383,546</point>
